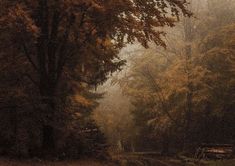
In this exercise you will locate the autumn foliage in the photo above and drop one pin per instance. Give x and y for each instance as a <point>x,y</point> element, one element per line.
<point>183,96</point>
<point>53,52</point>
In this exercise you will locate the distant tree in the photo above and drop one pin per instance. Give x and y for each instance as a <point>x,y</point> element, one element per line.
<point>114,118</point>
<point>218,59</point>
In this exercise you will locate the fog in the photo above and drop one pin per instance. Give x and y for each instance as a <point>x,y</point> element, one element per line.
<point>180,76</point>
<point>117,82</point>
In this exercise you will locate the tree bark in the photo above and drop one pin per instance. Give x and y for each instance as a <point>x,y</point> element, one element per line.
<point>188,105</point>
<point>48,137</point>
<point>165,145</point>
<point>48,130</point>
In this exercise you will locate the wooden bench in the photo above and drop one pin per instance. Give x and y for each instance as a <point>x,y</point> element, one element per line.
<point>214,151</point>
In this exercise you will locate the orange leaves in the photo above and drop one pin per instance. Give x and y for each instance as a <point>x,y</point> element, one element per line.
<point>82,101</point>
<point>96,6</point>
<point>19,19</point>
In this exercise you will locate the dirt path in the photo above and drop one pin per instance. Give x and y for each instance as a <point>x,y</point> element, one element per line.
<point>141,160</point>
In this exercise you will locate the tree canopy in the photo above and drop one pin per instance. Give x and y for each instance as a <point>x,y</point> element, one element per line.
<point>66,47</point>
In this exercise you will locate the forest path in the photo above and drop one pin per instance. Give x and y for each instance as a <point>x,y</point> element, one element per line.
<point>147,159</point>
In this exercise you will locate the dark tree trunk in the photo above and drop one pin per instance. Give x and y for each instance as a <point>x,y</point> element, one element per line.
<point>165,145</point>
<point>51,58</point>
<point>48,137</point>
<point>48,129</point>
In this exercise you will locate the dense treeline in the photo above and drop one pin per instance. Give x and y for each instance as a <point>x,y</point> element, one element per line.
<point>53,53</point>
<point>183,96</point>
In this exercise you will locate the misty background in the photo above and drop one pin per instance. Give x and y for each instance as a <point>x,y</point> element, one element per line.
<point>170,66</point>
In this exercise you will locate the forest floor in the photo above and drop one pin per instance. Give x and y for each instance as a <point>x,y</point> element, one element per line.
<point>124,161</point>
<point>87,162</point>
<point>155,160</point>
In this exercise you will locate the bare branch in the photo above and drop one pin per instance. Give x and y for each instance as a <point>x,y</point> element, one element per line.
<point>160,96</point>
<point>31,79</point>
<point>29,57</point>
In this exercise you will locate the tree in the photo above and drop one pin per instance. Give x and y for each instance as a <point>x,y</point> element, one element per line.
<point>57,37</point>
<point>218,58</point>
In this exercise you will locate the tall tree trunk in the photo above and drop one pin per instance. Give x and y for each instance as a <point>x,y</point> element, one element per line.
<point>188,56</point>
<point>48,130</point>
<point>48,137</point>
<point>47,75</point>
<point>165,144</point>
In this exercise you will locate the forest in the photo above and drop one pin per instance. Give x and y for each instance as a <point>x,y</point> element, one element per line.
<point>117,82</point>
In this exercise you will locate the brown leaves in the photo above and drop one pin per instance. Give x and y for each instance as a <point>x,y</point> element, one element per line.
<point>19,19</point>
<point>69,35</point>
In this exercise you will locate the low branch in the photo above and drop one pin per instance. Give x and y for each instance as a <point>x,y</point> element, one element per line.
<point>29,57</point>
<point>31,79</point>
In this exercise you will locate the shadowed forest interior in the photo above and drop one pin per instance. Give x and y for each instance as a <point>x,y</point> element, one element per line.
<point>118,82</point>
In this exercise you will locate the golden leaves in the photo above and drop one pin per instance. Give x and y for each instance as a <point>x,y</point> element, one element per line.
<point>81,100</point>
